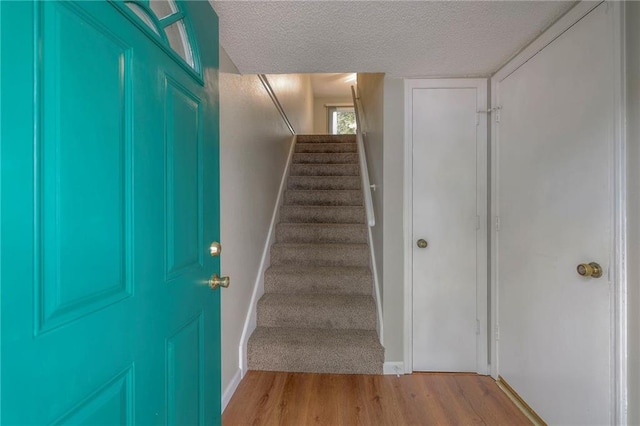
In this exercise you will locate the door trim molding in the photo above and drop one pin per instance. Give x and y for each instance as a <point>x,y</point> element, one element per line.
<point>482,307</point>
<point>619,276</point>
<point>619,332</point>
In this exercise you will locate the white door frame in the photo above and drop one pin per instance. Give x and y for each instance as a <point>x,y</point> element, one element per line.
<point>618,178</point>
<point>481,85</point>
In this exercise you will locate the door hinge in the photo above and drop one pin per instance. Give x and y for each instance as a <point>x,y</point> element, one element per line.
<point>477,326</point>
<point>497,223</point>
<point>497,332</point>
<point>495,110</point>
<point>477,222</point>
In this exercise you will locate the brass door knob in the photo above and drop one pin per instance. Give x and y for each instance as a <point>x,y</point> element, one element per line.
<point>422,243</point>
<point>215,281</point>
<point>592,270</point>
<point>215,249</point>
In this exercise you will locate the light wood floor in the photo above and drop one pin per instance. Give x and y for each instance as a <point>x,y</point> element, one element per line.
<point>268,398</point>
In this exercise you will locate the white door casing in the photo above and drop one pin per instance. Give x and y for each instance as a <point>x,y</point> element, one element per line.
<point>446,204</point>
<point>557,176</point>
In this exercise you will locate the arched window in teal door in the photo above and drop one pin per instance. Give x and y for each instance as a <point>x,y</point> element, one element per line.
<point>168,20</point>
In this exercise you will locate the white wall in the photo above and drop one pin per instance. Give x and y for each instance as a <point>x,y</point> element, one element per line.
<point>393,224</point>
<point>371,90</point>
<point>254,145</point>
<point>633,168</point>
<point>295,94</point>
<point>320,111</point>
<point>383,103</point>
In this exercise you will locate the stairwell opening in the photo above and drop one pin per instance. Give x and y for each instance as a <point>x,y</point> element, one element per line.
<point>318,312</point>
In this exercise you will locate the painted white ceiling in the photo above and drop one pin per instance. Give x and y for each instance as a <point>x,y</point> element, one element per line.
<point>401,38</point>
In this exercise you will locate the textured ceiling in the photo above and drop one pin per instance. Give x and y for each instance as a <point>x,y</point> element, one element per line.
<point>401,38</point>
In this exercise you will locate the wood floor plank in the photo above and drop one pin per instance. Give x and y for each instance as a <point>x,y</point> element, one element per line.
<point>415,401</point>
<point>260,394</point>
<point>272,398</point>
<point>455,410</point>
<point>478,391</point>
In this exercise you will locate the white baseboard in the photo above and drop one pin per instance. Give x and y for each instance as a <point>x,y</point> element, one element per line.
<point>231,388</point>
<point>258,288</point>
<point>376,288</point>
<point>391,368</point>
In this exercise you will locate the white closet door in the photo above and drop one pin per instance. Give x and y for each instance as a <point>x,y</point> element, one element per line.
<point>448,147</point>
<point>555,145</point>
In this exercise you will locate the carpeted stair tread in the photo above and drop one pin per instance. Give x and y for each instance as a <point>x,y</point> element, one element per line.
<point>326,138</point>
<point>322,214</point>
<point>324,170</point>
<point>305,350</point>
<point>326,147</point>
<point>332,311</point>
<point>321,233</point>
<point>324,197</point>
<point>332,254</point>
<point>292,279</point>
<point>317,313</point>
<point>320,254</point>
<point>325,158</point>
<point>323,182</point>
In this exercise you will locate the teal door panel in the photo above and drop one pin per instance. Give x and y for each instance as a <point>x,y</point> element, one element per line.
<point>109,191</point>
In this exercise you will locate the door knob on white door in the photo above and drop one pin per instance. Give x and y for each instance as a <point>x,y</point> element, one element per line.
<point>422,243</point>
<point>592,270</point>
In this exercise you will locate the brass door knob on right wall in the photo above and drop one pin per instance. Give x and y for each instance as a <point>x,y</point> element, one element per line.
<point>592,270</point>
<point>422,243</point>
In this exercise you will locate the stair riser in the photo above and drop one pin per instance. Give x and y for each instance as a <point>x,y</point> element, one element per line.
<point>323,182</point>
<point>300,359</point>
<point>318,158</point>
<point>342,364</point>
<point>302,214</point>
<point>317,283</point>
<point>289,233</point>
<point>320,256</point>
<point>326,147</point>
<point>326,139</point>
<point>330,317</point>
<point>323,198</point>
<point>325,170</point>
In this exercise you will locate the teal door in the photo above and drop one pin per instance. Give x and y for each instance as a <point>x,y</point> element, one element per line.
<point>109,202</point>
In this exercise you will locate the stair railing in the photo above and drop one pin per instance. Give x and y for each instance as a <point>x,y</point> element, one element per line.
<point>265,82</point>
<point>364,171</point>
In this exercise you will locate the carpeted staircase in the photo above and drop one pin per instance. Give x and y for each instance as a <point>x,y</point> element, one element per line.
<point>318,314</point>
